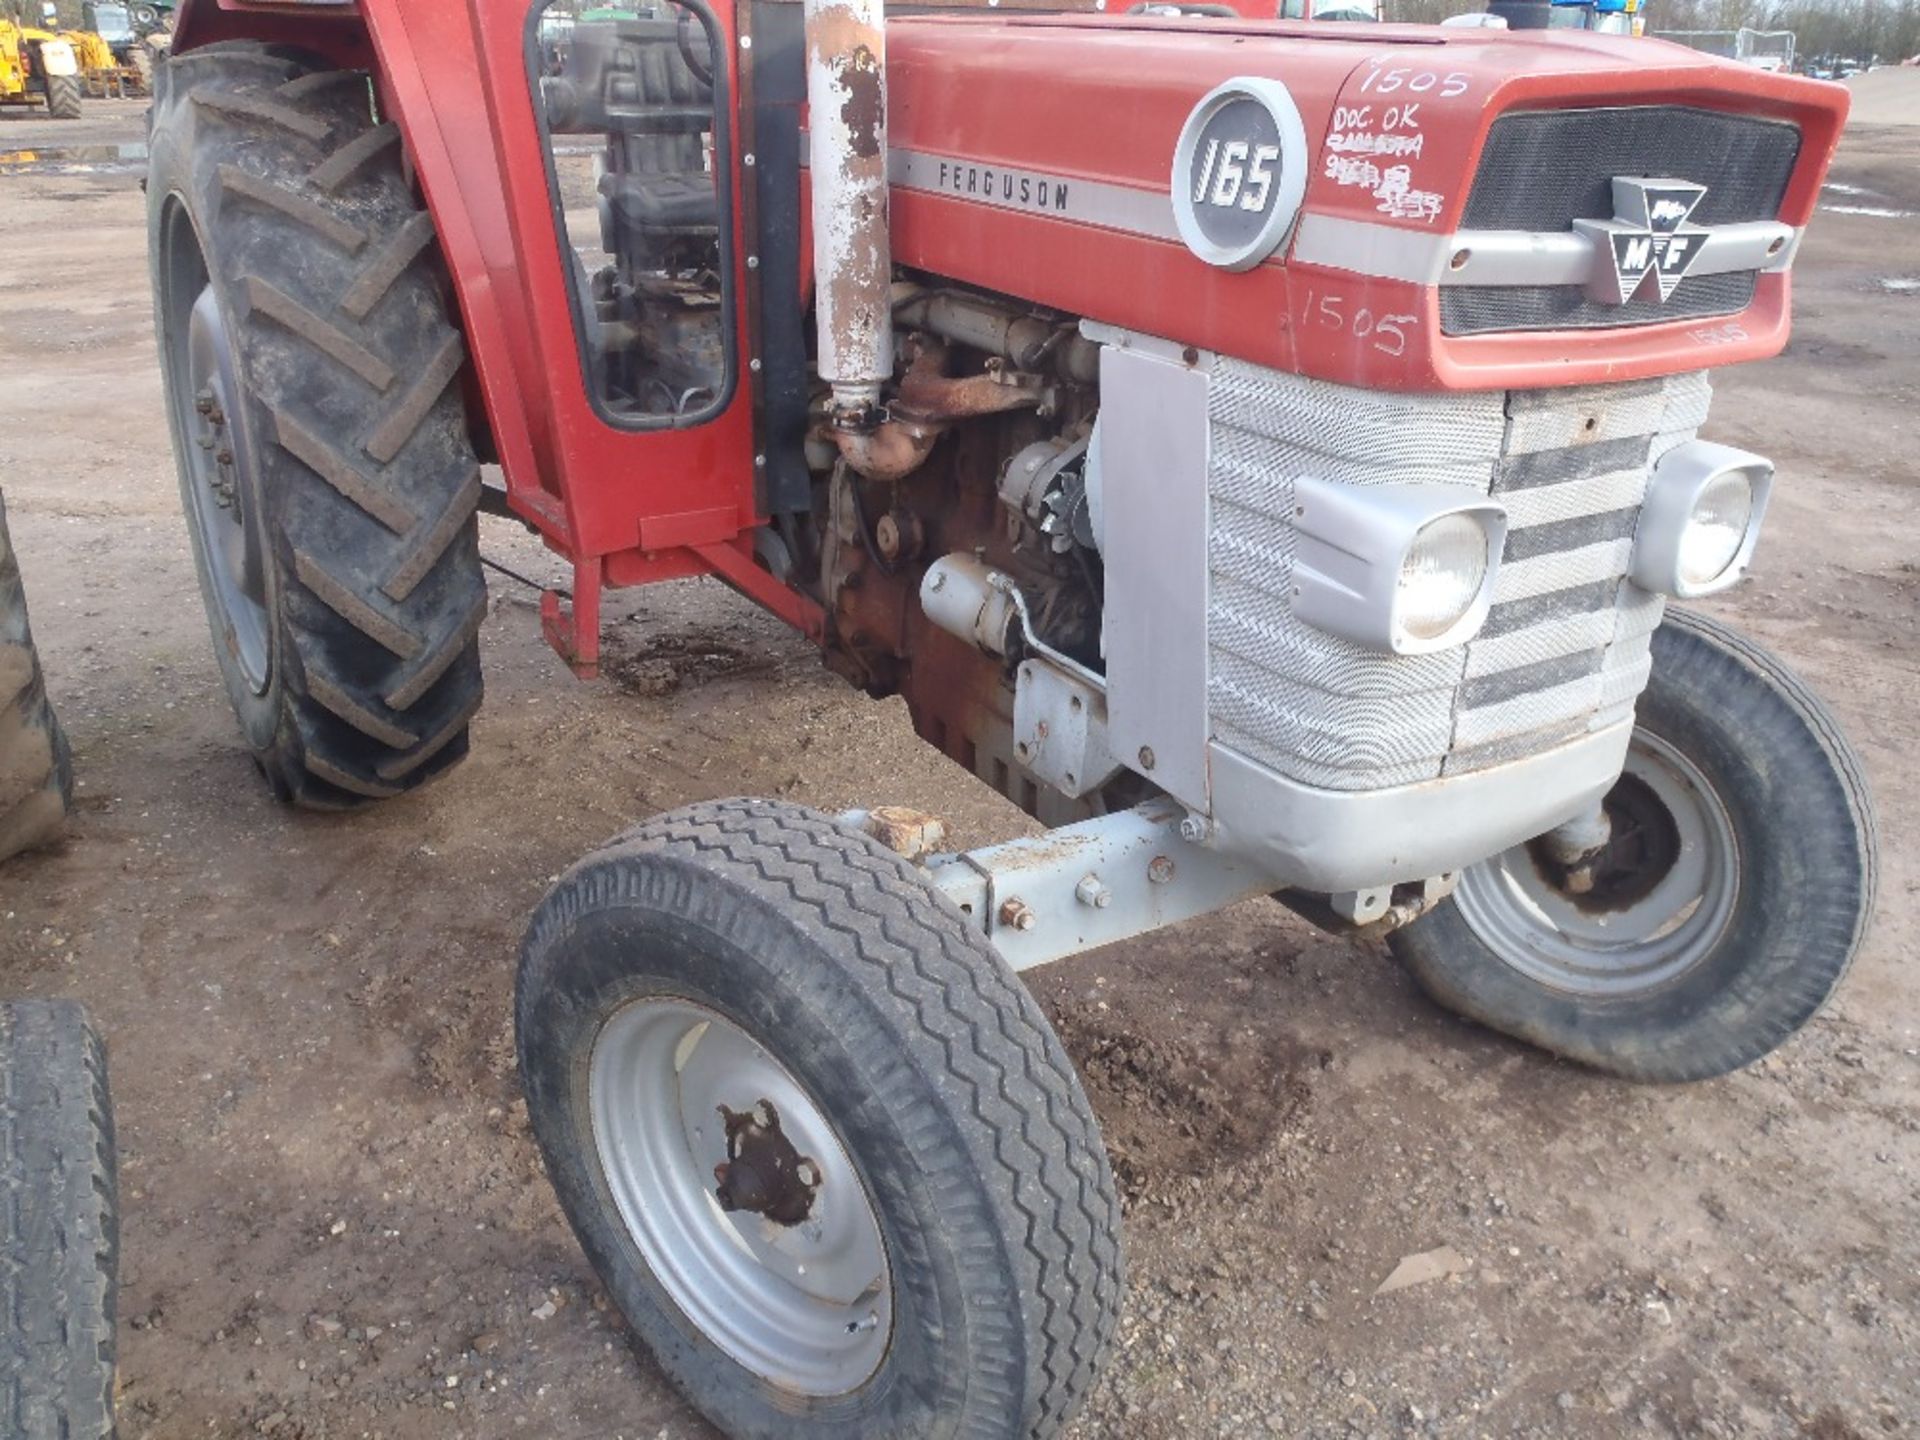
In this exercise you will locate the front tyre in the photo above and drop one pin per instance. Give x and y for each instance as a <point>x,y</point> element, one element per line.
<point>820,1145</point>
<point>1732,898</point>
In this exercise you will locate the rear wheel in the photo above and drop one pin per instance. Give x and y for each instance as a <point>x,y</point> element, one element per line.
<point>312,375</point>
<point>1732,896</point>
<point>821,1146</point>
<point>64,93</point>
<point>36,771</point>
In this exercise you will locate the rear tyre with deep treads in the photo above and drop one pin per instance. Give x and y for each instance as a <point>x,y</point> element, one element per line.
<point>313,383</point>
<point>63,97</point>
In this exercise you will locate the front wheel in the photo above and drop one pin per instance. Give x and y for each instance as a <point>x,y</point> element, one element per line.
<point>820,1145</point>
<point>1732,897</point>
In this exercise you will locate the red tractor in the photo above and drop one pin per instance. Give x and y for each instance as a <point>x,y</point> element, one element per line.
<point>1263,451</point>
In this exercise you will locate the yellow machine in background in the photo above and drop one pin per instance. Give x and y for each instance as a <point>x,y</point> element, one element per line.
<point>115,56</point>
<point>90,51</point>
<point>38,65</point>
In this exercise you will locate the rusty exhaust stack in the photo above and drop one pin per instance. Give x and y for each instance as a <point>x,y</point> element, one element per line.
<point>852,256</point>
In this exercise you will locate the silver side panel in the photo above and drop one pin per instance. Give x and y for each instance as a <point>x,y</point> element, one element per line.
<point>1153,462</point>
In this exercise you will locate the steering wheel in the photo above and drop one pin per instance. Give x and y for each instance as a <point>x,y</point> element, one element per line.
<point>698,57</point>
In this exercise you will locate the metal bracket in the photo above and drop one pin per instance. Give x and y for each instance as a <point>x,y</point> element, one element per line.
<point>1060,728</point>
<point>1375,912</point>
<point>1044,897</point>
<point>574,630</point>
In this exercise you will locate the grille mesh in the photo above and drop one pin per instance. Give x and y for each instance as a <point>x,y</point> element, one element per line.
<point>1565,649</point>
<point>1543,169</point>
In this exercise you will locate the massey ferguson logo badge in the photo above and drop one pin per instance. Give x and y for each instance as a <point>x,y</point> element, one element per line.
<point>1648,236</point>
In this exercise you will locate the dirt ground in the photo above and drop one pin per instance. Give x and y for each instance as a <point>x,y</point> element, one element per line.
<point>335,1222</point>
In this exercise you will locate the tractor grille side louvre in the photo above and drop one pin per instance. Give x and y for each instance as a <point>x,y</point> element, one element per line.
<point>1543,169</point>
<point>1497,309</point>
<point>1565,649</point>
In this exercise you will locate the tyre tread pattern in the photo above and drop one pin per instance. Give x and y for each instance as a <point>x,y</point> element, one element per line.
<point>1764,665</point>
<point>63,97</point>
<point>59,1225</point>
<point>993,1044</point>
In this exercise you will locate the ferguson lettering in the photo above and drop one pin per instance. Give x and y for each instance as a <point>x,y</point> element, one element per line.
<point>1074,199</point>
<point>1003,187</point>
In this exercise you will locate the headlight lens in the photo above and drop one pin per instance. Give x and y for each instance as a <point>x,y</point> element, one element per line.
<point>1441,576</point>
<point>1716,528</point>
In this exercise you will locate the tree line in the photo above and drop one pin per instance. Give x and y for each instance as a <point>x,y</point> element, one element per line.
<point>1850,29</point>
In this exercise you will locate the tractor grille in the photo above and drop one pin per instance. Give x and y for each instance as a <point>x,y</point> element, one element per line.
<point>1543,169</point>
<point>1565,649</point>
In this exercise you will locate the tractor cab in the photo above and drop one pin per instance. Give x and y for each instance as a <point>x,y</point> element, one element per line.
<point>112,23</point>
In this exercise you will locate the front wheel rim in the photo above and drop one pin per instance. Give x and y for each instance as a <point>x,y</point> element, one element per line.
<point>806,1306</point>
<point>1657,926</point>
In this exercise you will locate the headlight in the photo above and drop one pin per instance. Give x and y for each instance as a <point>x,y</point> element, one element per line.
<point>1403,568</point>
<point>1716,528</point>
<point>1701,519</point>
<point>1441,577</point>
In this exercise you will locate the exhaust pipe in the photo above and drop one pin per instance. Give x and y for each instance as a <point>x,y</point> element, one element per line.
<point>847,155</point>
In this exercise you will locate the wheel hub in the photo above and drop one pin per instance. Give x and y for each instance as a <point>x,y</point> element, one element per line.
<point>1640,911</point>
<point>214,439</point>
<point>1643,845</point>
<point>763,1173</point>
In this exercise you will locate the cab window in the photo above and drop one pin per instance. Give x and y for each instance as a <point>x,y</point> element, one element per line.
<point>637,140</point>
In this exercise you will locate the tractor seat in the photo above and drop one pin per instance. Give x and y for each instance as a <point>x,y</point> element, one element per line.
<point>680,204</point>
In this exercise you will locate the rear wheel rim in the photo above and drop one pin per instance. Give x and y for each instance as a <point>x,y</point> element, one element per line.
<point>806,1306</point>
<point>1665,900</point>
<point>221,490</point>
